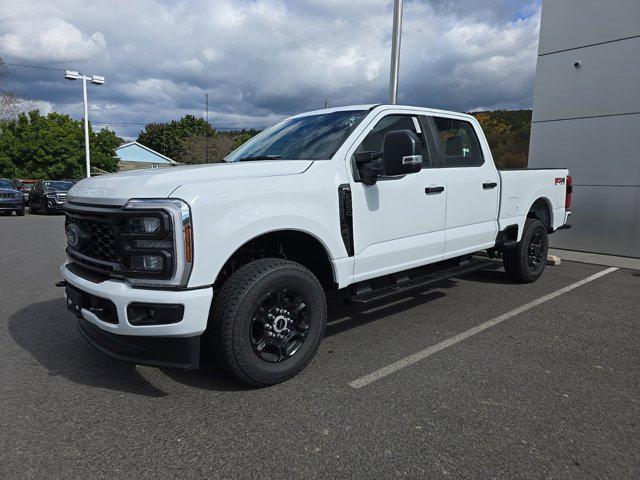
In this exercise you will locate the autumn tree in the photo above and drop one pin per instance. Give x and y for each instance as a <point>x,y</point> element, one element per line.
<point>173,138</point>
<point>507,132</point>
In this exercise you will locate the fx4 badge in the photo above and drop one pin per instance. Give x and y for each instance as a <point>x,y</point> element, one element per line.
<point>559,181</point>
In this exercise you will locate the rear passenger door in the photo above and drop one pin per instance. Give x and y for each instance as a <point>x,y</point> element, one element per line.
<point>472,187</point>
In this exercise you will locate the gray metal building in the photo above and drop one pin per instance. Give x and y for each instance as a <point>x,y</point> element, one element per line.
<point>586,116</point>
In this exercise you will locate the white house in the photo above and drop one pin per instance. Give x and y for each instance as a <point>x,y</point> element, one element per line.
<point>135,156</point>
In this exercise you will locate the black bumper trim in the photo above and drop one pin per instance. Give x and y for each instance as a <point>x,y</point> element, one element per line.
<point>173,352</point>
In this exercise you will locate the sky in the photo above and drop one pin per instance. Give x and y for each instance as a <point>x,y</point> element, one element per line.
<point>262,60</point>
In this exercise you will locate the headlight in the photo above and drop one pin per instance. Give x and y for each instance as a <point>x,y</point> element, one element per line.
<point>156,242</point>
<point>147,263</point>
<point>144,225</point>
<point>17,195</point>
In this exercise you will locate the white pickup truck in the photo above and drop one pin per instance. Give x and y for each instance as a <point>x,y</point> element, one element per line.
<point>235,258</point>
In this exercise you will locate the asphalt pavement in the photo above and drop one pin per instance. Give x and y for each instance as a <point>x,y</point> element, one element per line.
<point>548,391</point>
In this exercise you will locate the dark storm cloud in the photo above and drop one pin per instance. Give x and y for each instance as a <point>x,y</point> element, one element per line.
<point>263,59</point>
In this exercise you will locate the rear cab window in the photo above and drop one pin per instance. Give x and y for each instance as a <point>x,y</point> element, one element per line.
<point>459,143</point>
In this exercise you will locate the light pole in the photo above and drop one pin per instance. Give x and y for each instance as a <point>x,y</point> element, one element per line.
<point>96,80</point>
<point>395,52</point>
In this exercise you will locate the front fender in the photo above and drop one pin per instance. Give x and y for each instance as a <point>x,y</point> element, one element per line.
<point>225,220</point>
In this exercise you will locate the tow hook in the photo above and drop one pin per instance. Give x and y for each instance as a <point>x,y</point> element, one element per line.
<point>61,283</point>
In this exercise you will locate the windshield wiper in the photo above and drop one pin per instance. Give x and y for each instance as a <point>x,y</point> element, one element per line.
<point>259,157</point>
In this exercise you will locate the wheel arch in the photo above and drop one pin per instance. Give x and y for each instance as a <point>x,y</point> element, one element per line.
<point>293,244</point>
<point>542,210</point>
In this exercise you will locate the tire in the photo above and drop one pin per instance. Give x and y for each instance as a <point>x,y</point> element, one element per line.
<point>238,333</point>
<point>526,261</point>
<point>20,213</point>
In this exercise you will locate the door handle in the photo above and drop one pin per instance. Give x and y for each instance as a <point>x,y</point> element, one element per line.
<point>489,185</point>
<point>430,190</point>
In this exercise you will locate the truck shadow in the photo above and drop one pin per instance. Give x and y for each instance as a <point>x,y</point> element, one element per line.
<point>49,333</point>
<point>496,277</point>
<point>344,316</point>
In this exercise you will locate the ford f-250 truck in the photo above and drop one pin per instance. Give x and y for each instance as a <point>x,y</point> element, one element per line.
<point>235,258</point>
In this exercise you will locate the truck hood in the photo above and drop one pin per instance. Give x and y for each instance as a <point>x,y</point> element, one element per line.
<point>118,188</point>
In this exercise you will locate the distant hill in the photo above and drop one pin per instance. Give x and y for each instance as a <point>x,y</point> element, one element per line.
<point>507,132</point>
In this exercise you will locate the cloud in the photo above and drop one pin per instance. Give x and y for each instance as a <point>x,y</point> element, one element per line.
<point>50,39</point>
<point>260,60</point>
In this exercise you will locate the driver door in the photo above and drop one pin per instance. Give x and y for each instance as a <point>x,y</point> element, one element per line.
<point>398,223</point>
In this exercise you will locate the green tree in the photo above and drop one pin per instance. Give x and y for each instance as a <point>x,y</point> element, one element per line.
<point>52,146</point>
<point>172,138</point>
<point>242,138</point>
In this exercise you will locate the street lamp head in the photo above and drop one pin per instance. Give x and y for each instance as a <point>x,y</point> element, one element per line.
<point>71,75</point>
<point>97,80</point>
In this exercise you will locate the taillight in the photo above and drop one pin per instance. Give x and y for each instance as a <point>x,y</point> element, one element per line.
<point>567,199</point>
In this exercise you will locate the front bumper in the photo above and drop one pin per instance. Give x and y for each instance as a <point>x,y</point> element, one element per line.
<point>12,205</point>
<point>126,341</point>
<point>170,352</point>
<point>55,205</point>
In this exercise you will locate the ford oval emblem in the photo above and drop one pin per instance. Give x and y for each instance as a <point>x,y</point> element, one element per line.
<point>73,235</point>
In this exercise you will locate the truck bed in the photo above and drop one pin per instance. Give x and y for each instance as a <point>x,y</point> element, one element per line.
<point>520,188</point>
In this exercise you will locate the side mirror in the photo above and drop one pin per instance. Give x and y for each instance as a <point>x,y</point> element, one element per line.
<point>401,153</point>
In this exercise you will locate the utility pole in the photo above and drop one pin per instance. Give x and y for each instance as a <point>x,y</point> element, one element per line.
<point>87,160</point>
<point>96,80</point>
<point>206,116</point>
<point>395,52</point>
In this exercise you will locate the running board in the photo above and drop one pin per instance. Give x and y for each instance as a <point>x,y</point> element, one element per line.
<point>381,293</point>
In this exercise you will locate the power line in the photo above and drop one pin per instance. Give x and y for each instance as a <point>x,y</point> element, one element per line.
<point>31,66</point>
<point>217,124</point>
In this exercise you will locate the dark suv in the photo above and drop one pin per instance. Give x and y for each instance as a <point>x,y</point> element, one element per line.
<point>11,199</point>
<point>49,196</point>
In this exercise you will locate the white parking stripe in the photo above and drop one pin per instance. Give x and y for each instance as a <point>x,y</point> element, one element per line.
<point>427,352</point>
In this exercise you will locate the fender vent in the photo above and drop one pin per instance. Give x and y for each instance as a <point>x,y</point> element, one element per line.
<point>346,217</point>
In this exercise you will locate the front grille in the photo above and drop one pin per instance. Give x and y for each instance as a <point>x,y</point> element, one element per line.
<point>8,195</point>
<point>105,240</point>
<point>100,250</point>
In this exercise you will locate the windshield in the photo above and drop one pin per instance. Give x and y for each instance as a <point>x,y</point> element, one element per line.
<point>6,184</point>
<point>59,185</point>
<point>314,137</point>
<point>27,186</point>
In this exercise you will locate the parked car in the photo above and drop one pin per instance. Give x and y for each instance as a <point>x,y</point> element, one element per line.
<point>235,257</point>
<point>49,196</point>
<point>25,186</point>
<point>11,199</point>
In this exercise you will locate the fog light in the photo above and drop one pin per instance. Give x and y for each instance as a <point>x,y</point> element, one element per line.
<point>149,314</point>
<point>153,263</point>
<point>144,225</point>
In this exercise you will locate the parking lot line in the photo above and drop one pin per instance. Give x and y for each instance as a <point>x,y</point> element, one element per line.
<point>427,352</point>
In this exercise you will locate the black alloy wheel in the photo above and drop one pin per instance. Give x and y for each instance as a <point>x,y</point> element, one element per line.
<point>536,250</point>
<point>526,261</point>
<point>267,321</point>
<point>280,325</point>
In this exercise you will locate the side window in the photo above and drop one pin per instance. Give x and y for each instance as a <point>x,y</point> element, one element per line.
<point>373,141</point>
<point>459,141</point>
